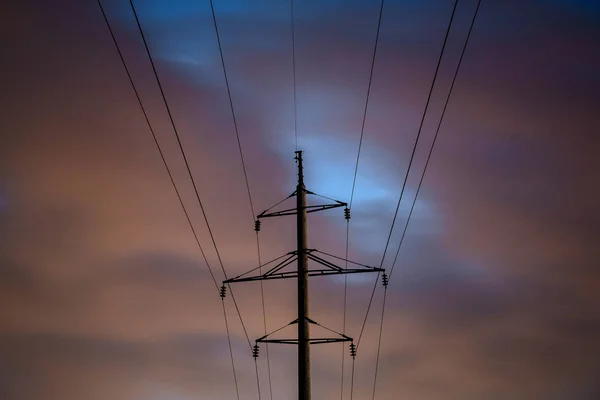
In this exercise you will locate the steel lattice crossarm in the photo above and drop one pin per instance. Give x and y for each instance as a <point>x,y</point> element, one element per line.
<point>329,268</point>
<point>340,337</point>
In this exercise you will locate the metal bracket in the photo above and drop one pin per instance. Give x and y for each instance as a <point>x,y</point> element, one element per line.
<point>309,209</point>
<point>340,336</point>
<point>330,268</point>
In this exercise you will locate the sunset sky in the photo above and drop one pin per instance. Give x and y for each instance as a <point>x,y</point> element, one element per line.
<point>104,293</point>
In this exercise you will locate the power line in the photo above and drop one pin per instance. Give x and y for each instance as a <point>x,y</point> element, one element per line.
<point>364,324</point>
<point>166,103</point>
<point>184,155</point>
<point>411,159</point>
<point>404,184</point>
<point>295,128</point>
<point>437,131</point>
<point>345,306</point>
<point>294,72</point>
<point>364,118</point>
<point>352,379</point>
<point>412,156</point>
<point>420,184</point>
<point>141,31</point>
<point>237,134</point>
<point>162,156</point>
<point>237,390</point>
<point>262,296</point>
<point>379,340</point>
<point>235,125</point>
<point>362,130</point>
<point>172,182</point>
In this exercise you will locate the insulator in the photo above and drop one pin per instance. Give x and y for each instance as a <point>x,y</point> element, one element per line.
<point>384,279</point>
<point>257,225</point>
<point>223,291</point>
<point>347,213</point>
<point>352,350</point>
<point>255,350</point>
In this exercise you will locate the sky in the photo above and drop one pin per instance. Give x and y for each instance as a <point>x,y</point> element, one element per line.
<point>104,292</point>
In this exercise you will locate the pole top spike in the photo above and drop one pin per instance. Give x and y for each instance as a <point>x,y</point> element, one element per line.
<point>298,159</point>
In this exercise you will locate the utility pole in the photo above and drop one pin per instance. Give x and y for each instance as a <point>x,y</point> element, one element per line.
<point>304,392</point>
<point>302,254</point>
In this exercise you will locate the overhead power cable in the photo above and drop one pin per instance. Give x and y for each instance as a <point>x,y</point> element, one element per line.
<point>154,137</point>
<point>364,118</point>
<point>171,179</point>
<point>237,135</point>
<point>412,155</point>
<point>237,390</point>
<point>404,185</point>
<point>235,125</point>
<point>185,159</point>
<point>410,162</point>
<point>294,72</point>
<point>437,131</point>
<point>362,131</point>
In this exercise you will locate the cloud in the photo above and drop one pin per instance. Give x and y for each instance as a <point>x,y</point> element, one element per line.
<point>105,293</point>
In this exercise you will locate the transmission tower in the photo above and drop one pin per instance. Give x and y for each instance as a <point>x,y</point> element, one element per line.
<point>302,254</point>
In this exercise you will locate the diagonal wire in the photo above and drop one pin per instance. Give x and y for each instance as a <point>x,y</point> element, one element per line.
<point>342,259</point>
<point>235,125</point>
<point>412,156</point>
<point>278,203</point>
<point>154,137</point>
<point>264,265</point>
<point>352,379</point>
<point>329,329</point>
<point>323,197</point>
<point>345,306</point>
<point>237,135</point>
<point>262,296</point>
<point>278,329</point>
<point>151,59</point>
<point>364,118</point>
<point>407,173</point>
<point>257,375</point>
<point>294,71</point>
<point>237,390</point>
<point>362,329</point>
<point>379,340</point>
<point>172,182</point>
<point>437,131</point>
<point>362,131</point>
<point>164,98</point>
